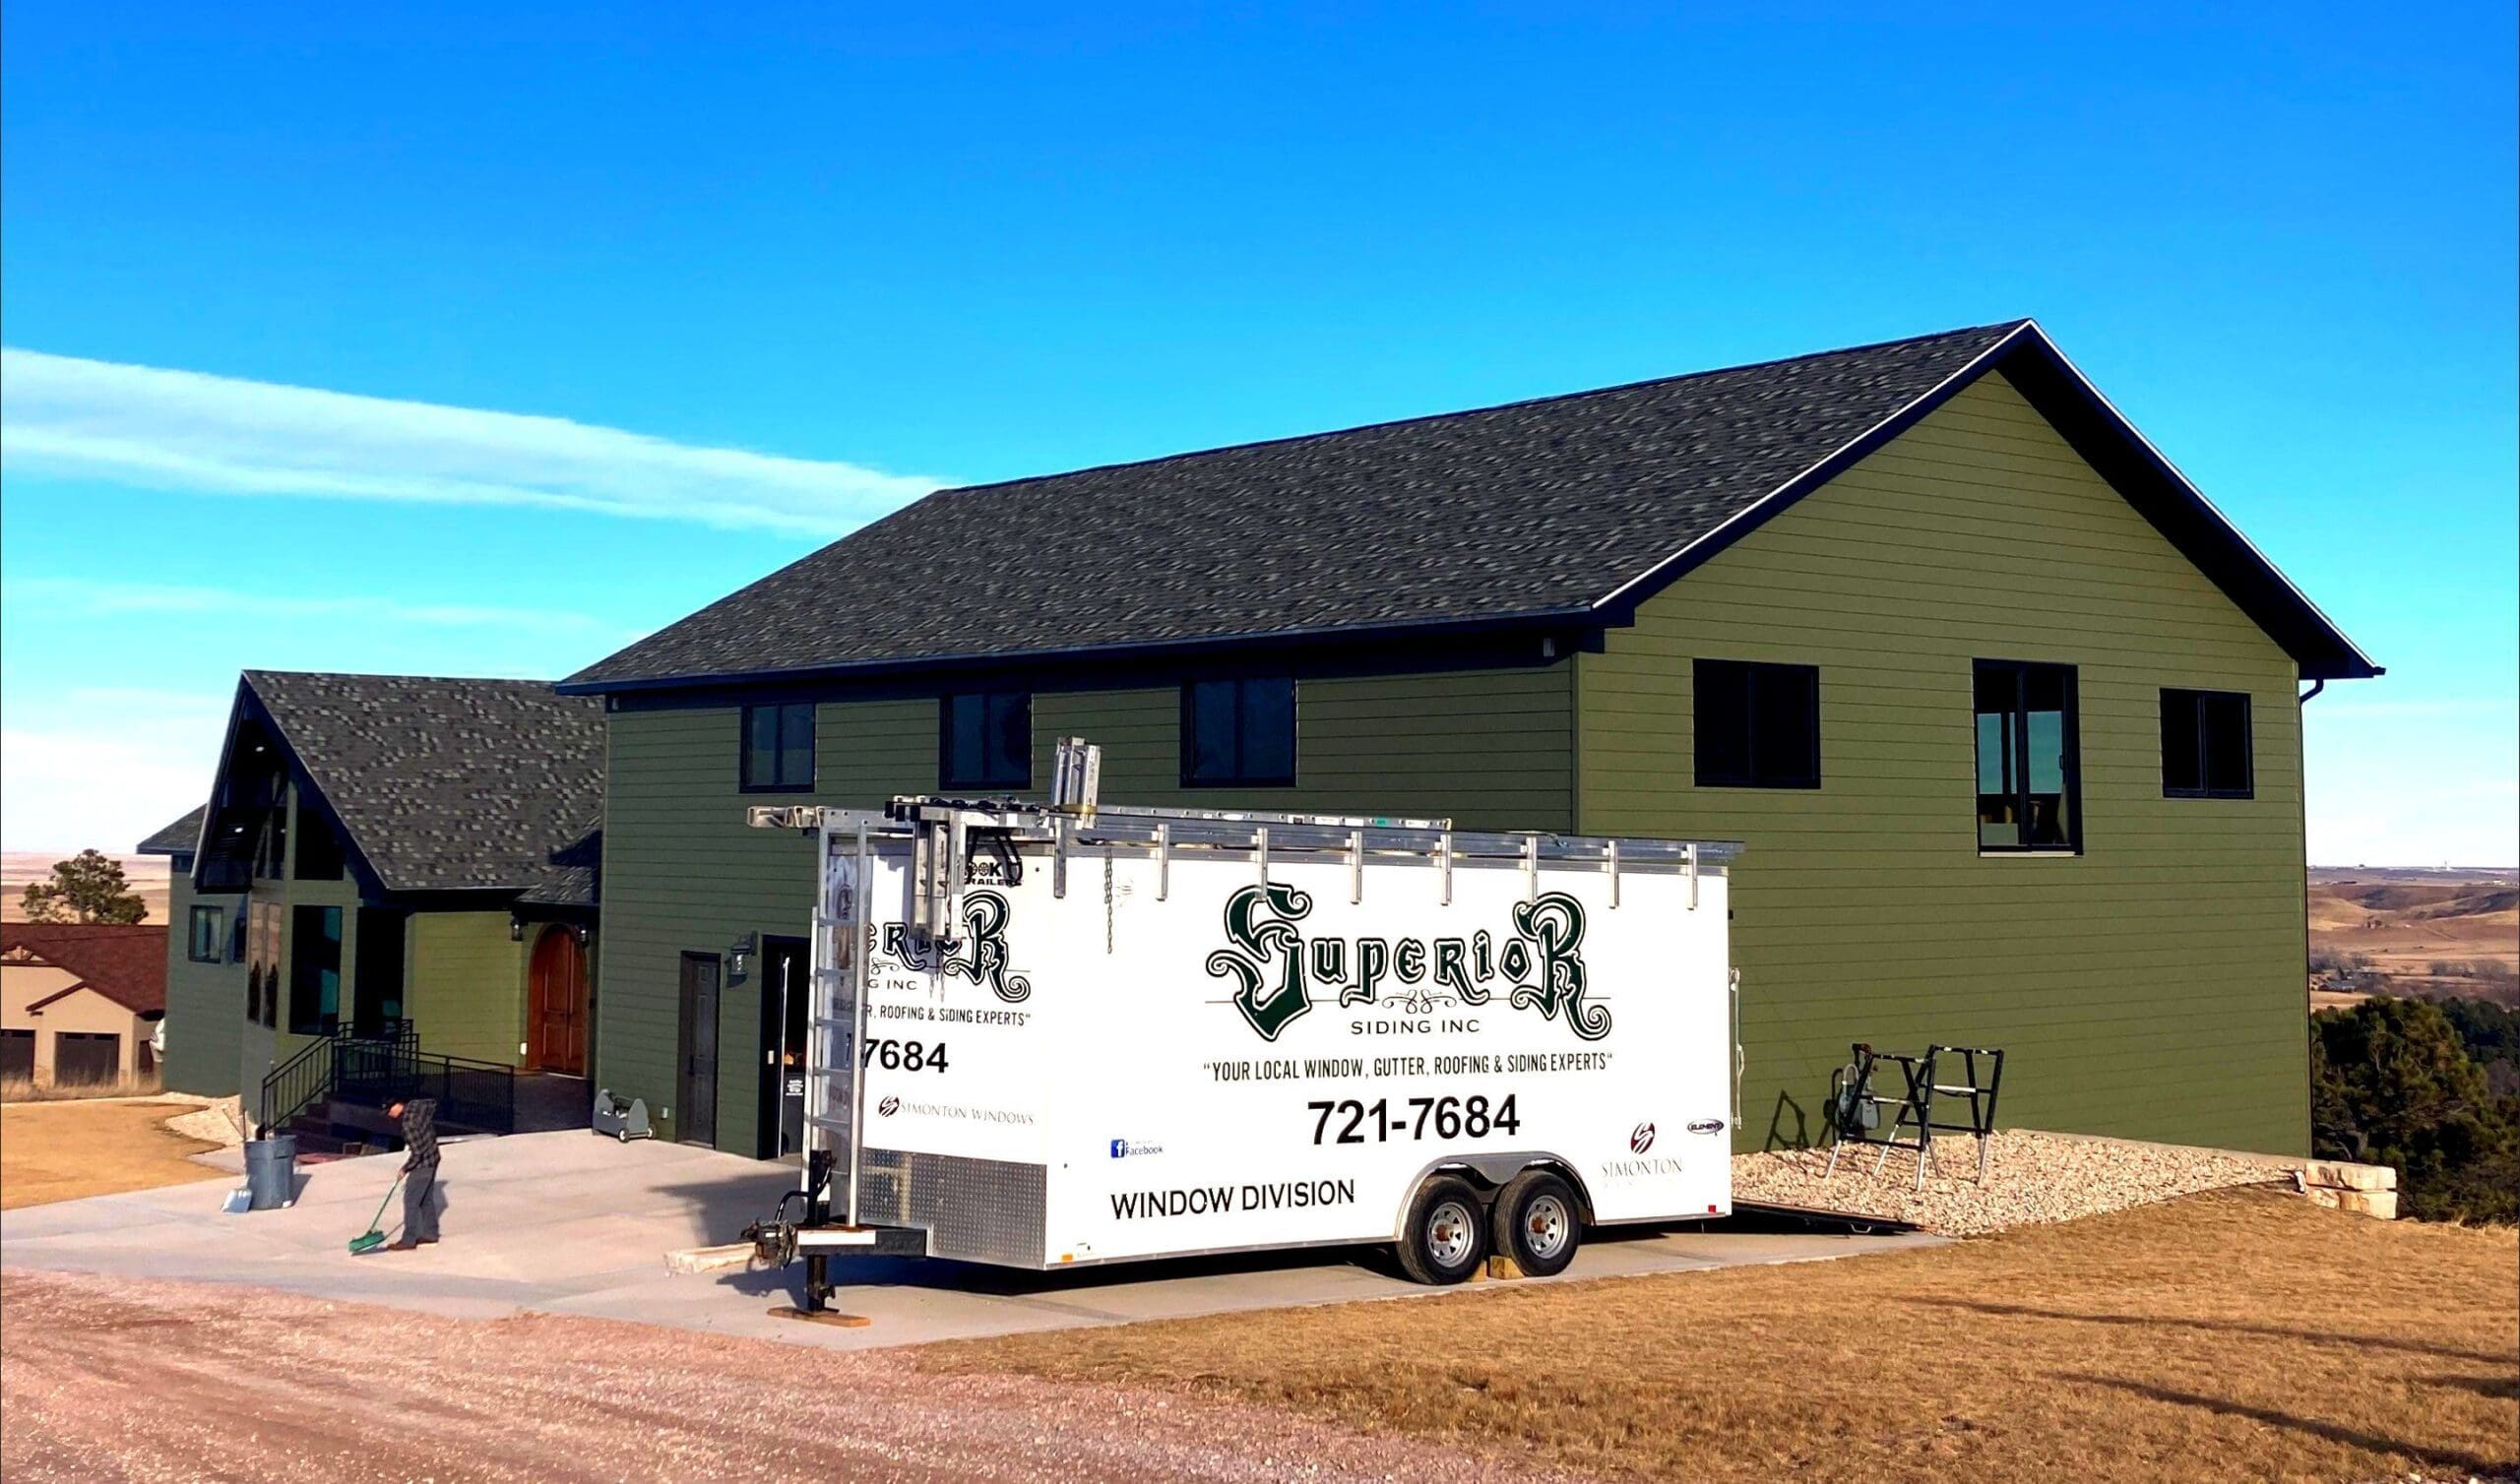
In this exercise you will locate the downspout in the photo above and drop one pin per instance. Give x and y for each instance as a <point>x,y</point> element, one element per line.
<point>2310,1117</point>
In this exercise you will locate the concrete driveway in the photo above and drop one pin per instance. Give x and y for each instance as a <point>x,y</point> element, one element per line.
<point>571,1224</point>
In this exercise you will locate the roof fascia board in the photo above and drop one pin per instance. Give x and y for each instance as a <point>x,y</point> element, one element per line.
<point>1623,599</point>
<point>2307,639</point>
<point>2213,523</point>
<point>371,882</point>
<point>1272,641</point>
<point>219,780</point>
<point>37,1005</point>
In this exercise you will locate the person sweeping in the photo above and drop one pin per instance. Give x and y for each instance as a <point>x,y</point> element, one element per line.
<point>423,1201</point>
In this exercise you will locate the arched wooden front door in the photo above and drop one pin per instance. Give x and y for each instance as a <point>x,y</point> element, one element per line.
<point>556,1034</point>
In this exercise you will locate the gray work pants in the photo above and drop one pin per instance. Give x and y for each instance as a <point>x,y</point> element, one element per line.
<point>423,1201</point>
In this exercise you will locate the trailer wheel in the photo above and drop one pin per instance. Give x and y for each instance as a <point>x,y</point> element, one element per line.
<point>1446,1235</point>
<point>1539,1222</point>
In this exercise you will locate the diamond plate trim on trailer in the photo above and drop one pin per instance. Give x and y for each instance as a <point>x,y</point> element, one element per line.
<point>979,1210</point>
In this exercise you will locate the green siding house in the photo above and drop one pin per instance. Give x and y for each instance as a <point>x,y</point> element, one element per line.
<point>382,852</point>
<point>2005,714</point>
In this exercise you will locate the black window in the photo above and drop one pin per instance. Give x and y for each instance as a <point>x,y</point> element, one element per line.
<point>778,748</point>
<point>208,936</point>
<point>2205,745</point>
<point>2029,784</point>
<point>1239,732</point>
<point>1758,725</point>
<point>985,740</point>
<point>319,847</point>
<point>314,971</point>
<point>274,861</point>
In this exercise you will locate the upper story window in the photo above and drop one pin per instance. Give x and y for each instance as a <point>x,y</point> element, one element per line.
<point>1757,725</point>
<point>271,861</point>
<point>319,847</point>
<point>778,748</point>
<point>2029,768</point>
<point>985,740</point>
<point>1240,732</point>
<point>2205,745</point>
<point>207,936</point>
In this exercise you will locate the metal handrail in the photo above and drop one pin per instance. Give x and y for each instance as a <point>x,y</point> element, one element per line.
<point>315,1055</point>
<point>315,1072</point>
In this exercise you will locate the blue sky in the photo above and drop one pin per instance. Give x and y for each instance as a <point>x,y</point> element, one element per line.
<point>712,288</point>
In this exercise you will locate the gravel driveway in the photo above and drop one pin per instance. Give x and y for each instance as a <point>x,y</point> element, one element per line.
<point>110,1379</point>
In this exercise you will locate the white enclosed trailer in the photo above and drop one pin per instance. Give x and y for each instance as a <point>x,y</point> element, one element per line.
<point>1051,1036</point>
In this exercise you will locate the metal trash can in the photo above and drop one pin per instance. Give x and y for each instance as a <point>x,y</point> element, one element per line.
<point>271,1170</point>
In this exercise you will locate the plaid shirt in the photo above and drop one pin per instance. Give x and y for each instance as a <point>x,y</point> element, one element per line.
<point>420,1133</point>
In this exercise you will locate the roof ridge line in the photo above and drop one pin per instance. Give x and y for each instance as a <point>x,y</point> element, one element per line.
<point>2007,325</point>
<point>396,675</point>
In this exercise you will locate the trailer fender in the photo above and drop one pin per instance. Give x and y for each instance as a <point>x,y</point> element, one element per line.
<point>1489,1171</point>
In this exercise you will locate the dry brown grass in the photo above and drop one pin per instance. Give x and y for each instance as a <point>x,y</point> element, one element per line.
<point>17,1089</point>
<point>63,1150</point>
<point>2234,1334</point>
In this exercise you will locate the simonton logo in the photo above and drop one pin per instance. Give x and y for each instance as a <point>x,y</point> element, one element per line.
<point>1641,1140</point>
<point>889,1107</point>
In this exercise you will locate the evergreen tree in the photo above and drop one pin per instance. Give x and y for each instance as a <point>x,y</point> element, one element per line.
<point>87,888</point>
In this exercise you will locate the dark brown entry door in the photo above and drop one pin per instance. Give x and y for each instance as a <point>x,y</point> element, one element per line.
<point>86,1056</point>
<point>18,1054</point>
<point>557,1004</point>
<point>696,1103</point>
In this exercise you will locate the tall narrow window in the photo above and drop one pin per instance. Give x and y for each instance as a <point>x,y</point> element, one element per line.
<point>985,740</point>
<point>1238,733</point>
<point>1758,725</point>
<point>315,970</point>
<point>319,847</point>
<point>2029,783</point>
<point>208,936</point>
<point>778,748</point>
<point>2205,745</point>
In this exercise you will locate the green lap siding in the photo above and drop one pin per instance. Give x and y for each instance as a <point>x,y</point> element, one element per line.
<point>464,984</point>
<point>205,1002</point>
<point>2150,987</point>
<point>682,873</point>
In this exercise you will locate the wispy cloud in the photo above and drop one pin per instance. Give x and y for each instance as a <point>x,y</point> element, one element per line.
<point>187,431</point>
<point>79,595</point>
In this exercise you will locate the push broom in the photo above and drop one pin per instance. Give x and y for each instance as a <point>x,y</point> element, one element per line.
<point>374,1237</point>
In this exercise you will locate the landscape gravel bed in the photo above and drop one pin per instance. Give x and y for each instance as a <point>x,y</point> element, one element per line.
<point>218,1121</point>
<point>2033,1178</point>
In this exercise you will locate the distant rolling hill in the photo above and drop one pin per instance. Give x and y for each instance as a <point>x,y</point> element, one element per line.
<point>2435,933</point>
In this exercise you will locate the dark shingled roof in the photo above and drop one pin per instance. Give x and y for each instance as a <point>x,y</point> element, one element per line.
<point>445,784</point>
<point>177,839</point>
<point>1532,509</point>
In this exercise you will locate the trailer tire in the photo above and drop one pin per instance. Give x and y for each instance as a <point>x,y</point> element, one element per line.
<point>1539,1222</point>
<point>1446,1237</point>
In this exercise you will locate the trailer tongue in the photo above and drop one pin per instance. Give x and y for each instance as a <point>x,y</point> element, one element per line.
<point>1047,1036</point>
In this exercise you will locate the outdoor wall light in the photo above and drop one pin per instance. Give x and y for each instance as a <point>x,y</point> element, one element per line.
<point>739,953</point>
<point>516,928</point>
<point>584,933</point>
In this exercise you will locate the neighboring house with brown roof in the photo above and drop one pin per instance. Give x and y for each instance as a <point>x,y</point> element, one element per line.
<point>79,1002</point>
<point>381,851</point>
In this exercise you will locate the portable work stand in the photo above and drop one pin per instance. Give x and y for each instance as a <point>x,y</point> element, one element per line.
<point>1857,1112</point>
<point>1981,1095</point>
